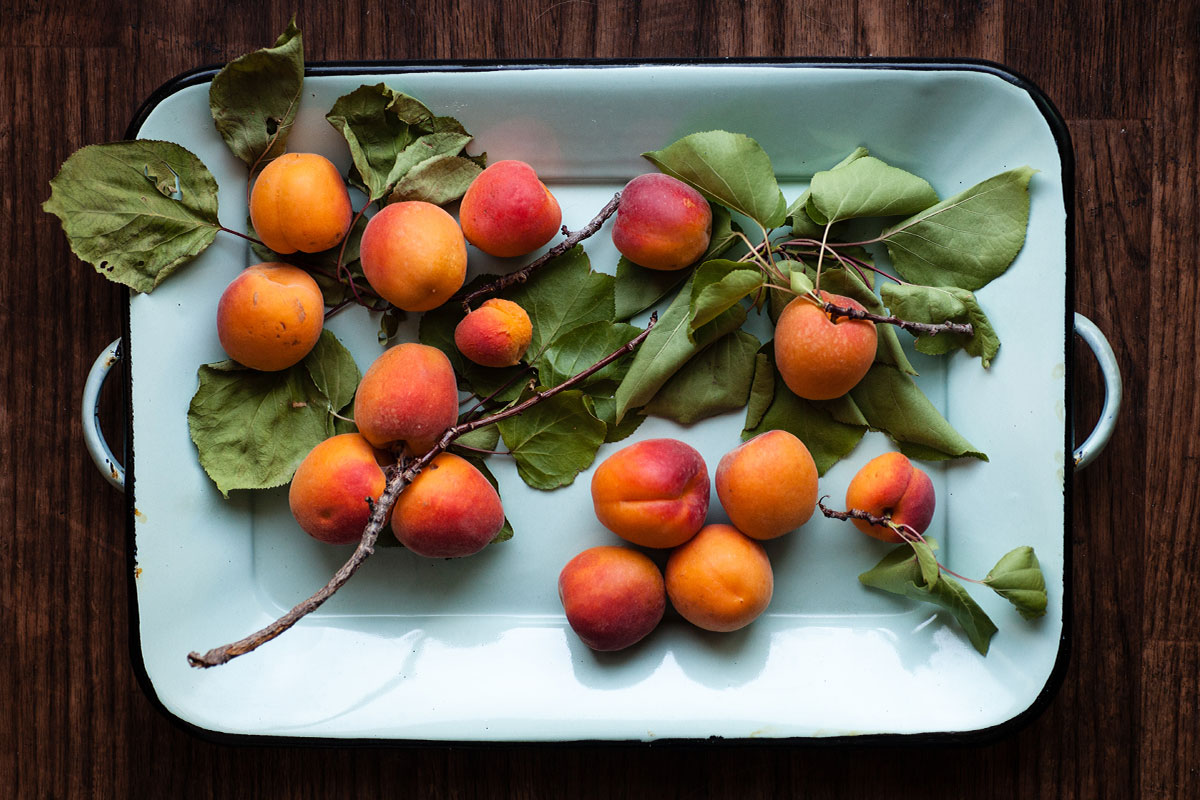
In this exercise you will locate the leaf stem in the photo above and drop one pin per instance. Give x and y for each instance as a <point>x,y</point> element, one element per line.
<point>242,235</point>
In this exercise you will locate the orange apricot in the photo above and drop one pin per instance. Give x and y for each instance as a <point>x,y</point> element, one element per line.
<point>662,223</point>
<point>333,488</point>
<point>613,596</point>
<point>300,202</point>
<point>890,486</point>
<point>408,396</point>
<point>507,211</point>
<point>270,316</point>
<point>414,255</point>
<point>768,485</point>
<point>496,334</point>
<point>721,580</point>
<point>820,359</point>
<point>449,510</point>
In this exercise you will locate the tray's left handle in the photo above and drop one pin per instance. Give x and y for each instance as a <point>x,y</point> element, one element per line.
<point>1085,453</point>
<point>93,437</point>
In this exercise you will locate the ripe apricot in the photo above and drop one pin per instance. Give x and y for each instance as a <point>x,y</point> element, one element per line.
<point>300,202</point>
<point>330,490</point>
<point>496,334</point>
<point>768,485</point>
<point>507,211</point>
<point>820,359</point>
<point>414,255</point>
<point>721,580</point>
<point>270,316</point>
<point>408,396</point>
<point>890,486</point>
<point>662,223</point>
<point>449,510</point>
<point>613,596</point>
<point>653,493</point>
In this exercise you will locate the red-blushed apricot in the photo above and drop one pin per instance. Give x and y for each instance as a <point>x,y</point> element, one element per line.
<point>890,486</point>
<point>330,490</point>
<point>407,396</point>
<point>449,510</point>
<point>507,211</point>
<point>496,334</point>
<point>414,255</point>
<point>613,596</point>
<point>662,223</point>
<point>653,493</point>
<point>270,316</point>
<point>817,358</point>
<point>300,202</point>
<point>768,485</point>
<point>721,580</point>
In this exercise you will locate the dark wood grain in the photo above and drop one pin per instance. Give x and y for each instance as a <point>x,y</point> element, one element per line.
<point>75,723</point>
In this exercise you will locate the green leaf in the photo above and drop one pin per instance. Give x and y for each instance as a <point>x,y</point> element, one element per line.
<point>888,349</point>
<point>333,370</point>
<point>580,348</point>
<point>899,573</point>
<point>553,441</point>
<point>252,429</point>
<point>716,381</point>
<point>669,345</point>
<point>375,134</point>
<point>118,215</point>
<point>892,403</point>
<point>968,239</point>
<point>389,324</point>
<point>866,187</point>
<point>562,295</point>
<point>801,283</point>
<point>254,99</point>
<point>485,438</point>
<point>927,562</point>
<point>727,168</point>
<point>938,304</point>
<point>1018,578</point>
<point>762,390</point>
<point>438,180</point>
<point>637,288</point>
<point>605,409</point>
<point>803,226</point>
<point>719,285</point>
<point>826,439</point>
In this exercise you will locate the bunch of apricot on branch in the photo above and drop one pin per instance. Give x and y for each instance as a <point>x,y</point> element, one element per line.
<point>448,511</point>
<point>300,202</point>
<point>720,580</point>
<point>662,223</point>
<point>613,596</point>
<point>890,486</point>
<point>496,334</point>
<point>270,316</point>
<point>653,493</point>
<point>407,397</point>
<point>768,485</point>
<point>820,359</point>
<point>413,254</point>
<point>507,211</point>
<point>334,486</point>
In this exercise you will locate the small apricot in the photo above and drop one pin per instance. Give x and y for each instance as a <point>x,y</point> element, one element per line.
<point>721,580</point>
<point>768,485</point>
<point>662,223</point>
<point>300,202</point>
<point>613,596</point>
<point>414,255</point>
<point>333,488</point>
<point>270,316</point>
<point>890,486</point>
<point>408,396</point>
<point>496,334</point>
<point>653,493</point>
<point>820,359</point>
<point>507,211</point>
<point>449,510</point>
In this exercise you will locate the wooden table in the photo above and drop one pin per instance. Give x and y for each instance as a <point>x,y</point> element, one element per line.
<point>73,721</point>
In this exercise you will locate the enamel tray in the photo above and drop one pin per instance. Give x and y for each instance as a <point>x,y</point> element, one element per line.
<point>478,649</point>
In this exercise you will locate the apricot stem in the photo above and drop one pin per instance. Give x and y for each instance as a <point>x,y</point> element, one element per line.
<point>400,475</point>
<point>915,328</point>
<point>522,275</point>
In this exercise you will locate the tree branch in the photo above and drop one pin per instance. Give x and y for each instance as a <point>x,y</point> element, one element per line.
<point>915,328</point>
<point>402,474</point>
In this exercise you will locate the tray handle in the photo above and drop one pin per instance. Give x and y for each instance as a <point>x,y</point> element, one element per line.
<point>1086,453</point>
<point>93,437</point>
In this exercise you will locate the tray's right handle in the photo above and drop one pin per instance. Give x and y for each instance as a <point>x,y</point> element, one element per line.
<point>1098,438</point>
<point>93,437</point>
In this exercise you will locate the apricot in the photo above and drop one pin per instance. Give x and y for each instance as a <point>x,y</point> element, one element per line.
<point>653,493</point>
<point>330,490</point>
<point>414,255</point>
<point>270,316</point>
<point>820,359</point>
<point>721,580</point>
<point>662,223</point>
<point>890,486</point>
<point>613,596</point>
<point>449,510</point>
<point>407,397</point>
<point>507,211</point>
<point>496,334</point>
<point>768,485</point>
<point>300,202</point>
